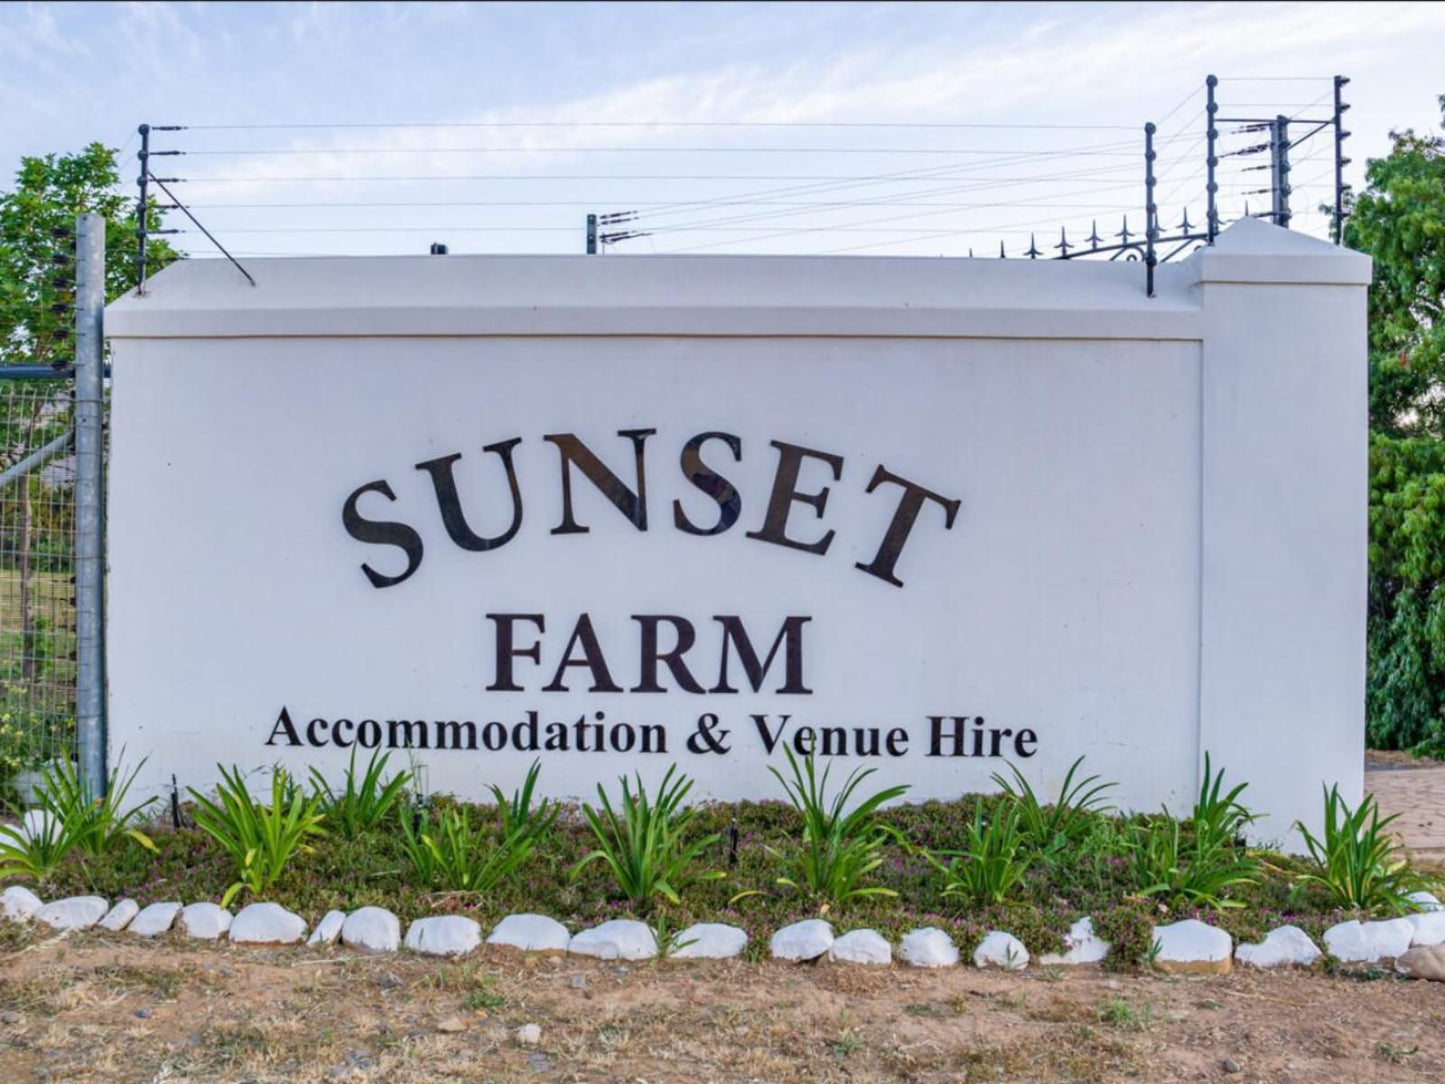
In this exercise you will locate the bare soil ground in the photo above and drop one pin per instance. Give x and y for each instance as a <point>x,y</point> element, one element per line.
<point>96,1007</point>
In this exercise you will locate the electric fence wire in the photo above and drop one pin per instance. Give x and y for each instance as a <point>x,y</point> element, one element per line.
<point>1133,153</point>
<point>795,205</point>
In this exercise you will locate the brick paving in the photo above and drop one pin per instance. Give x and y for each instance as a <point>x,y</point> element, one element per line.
<point>1418,795</point>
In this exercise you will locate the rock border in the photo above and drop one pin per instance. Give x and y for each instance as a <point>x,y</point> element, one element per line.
<point>1187,947</point>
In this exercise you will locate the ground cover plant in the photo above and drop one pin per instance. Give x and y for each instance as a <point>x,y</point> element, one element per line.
<point>967,865</point>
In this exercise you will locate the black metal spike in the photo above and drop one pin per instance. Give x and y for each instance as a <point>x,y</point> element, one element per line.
<point>1033,253</point>
<point>1063,246</point>
<point>1124,234</point>
<point>1094,239</point>
<point>1001,255</point>
<point>1246,209</point>
<point>970,252</point>
<point>1184,224</point>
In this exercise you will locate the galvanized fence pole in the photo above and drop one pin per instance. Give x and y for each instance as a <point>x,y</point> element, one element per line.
<point>89,506</point>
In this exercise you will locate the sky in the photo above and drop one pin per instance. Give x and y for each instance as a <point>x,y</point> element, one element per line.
<point>888,129</point>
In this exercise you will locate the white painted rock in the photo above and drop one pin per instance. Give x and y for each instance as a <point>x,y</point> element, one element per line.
<point>529,1034</point>
<point>267,924</point>
<point>928,947</point>
<point>1192,946</point>
<point>204,921</point>
<point>710,941</point>
<point>328,929</point>
<point>374,929</point>
<point>1424,901</point>
<point>443,935</point>
<point>531,933</point>
<point>1288,946</point>
<point>119,916</point>
<point>806,940</point>
<point>861,947</point>
<point>1357,942</point>
<point>1429,928</point>
<point>75,913</point>
<point>154,920</point>
<point>1081,946</point>
<point>19,904</point>
<point>619,939</point>
<point>1000,949</point>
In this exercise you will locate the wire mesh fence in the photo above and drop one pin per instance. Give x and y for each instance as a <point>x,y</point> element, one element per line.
<point>37,578</point>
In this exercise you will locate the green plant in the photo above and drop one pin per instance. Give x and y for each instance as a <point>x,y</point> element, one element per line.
<point>447,852</point>
<point>1049,830</point>
<point>366,800</point>
<point>96,825</point>
<point>484,997</point>
<point>1360,864</point>
<point>1118,1013</point>
<point>840,847</point>
<point>518,813</point>
<point>1167,864</point>
<point>644,840</point>
<point>1218,822</point>
<point>1199,867</point>
<point>261,839</point>
<point>69,819</point>
<point>34,850</point>
<point>668,938</point>
<point>993,860</point>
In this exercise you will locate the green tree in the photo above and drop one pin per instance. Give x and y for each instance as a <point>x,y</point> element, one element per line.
<point>1400,221</point>
<point>37,218</point>
<point>37,322</point>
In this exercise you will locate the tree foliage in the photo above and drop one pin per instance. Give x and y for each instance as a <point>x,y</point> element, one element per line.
<point>1400,221</point>
<point>37,221</point>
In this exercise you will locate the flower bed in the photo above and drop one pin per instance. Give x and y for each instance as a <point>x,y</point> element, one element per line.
<point>966,867</point>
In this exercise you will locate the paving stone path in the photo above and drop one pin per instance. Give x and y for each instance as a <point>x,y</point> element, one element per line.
<point>1418,795</point>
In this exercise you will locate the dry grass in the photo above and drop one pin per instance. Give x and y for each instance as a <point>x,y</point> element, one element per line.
<point>51,597</point>
<point>107,1008</point>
